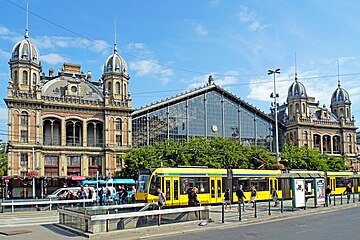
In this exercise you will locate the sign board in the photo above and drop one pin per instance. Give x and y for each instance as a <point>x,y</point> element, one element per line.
<point>320,191</point>
<point>6,180</point>
<point>299,192</point>
<point>78,178</point>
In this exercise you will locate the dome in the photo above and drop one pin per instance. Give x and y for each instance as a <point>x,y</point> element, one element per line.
<point>340,95</point>
<point>297,89</point>
<point>27,51</point>
<point>115,64</point>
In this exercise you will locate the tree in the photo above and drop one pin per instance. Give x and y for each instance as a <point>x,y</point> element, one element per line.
<point>3,159</point>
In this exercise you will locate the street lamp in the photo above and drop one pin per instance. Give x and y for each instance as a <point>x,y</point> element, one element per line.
<point>275,96</point>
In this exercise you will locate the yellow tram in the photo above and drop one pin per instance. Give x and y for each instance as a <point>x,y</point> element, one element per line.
<point>211,184</point>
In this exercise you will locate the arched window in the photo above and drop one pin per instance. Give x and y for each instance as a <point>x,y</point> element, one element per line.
<point>125,90</point>
<point>291,109</point>
<point>25,78</point>
<point>109,87</point>
<point>347,113</point>
<point>297,108</point>
<point>24,118</point>
<point>34,78</point>
<point>335,112</point>
<point>15,79</point>
<point>341,112</point>
<point>303,108</point>
<point>118,88</point>
<point>118,124</point>
<point>350,143</point>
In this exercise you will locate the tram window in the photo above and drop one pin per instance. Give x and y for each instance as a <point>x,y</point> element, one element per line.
<point>155,184</point>
<point>176,190</point>
<point>202,185</point>
<point>261,184</point>
<point>167,189</point>
<point>341,182</point>
<point>242,181</point>
<point>224,184</point>
<point>186,184</point>
<point>219,188</point>
<point>212,188</point>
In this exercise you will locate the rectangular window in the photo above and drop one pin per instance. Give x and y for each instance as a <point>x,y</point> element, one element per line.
<point>118,140</point>
<point>24,136</point>
<point>24,119</point>
<point>95,160</point>
<point>202,184</point>
<point>24,160</point>
<point>73,161</point>
<point>118,162</point>
<point>51,160</point>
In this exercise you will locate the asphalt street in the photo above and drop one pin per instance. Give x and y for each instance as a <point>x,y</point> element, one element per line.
<point>343,224</point>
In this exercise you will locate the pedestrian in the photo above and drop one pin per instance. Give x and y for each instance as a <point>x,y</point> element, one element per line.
<point>253,196</point>
<point>227,198</point>
<point>161,198</point>
<point>192,198</point>
<point>275,197</point>
<point>348,191</point>
<point>328,195</point>
<point>100,194</point>
<point>133,194</point>
<point>241,196</point>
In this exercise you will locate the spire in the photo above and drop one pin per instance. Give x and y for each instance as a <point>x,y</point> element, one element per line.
<point>27,20</point>
<point>115,48</point>
<point>338,74</point>
<point>295,69</point>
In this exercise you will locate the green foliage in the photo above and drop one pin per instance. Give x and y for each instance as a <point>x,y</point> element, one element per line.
<point>3,159</point>
<point>217,152</point>
<point>305,158</point>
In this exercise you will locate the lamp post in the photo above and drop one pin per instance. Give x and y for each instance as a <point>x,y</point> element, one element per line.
<point>275,96</point>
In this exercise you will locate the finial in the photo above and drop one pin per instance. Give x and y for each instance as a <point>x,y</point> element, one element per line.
<point>115,48</point>
<point>338,74</point>
<point>295,69</point>
<point>27,20</point>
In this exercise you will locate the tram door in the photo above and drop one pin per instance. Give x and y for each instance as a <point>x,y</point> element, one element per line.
<point>215,189</point>
<point>332,184</point>
<point>171,191</point>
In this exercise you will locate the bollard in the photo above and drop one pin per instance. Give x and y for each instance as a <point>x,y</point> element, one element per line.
<point>12,206</point>
<point>240,212</point>
<point>282,206</point>
<point>269,207</point>
<point>334,200</point>
<point>341,199</point>
<point>255,214</point>
<point>305,205</point>
<point>222,213</point>
<point>354,197</point>
<point>359,196</point>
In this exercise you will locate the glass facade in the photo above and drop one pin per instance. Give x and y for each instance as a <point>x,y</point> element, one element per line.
<point>207,114</point>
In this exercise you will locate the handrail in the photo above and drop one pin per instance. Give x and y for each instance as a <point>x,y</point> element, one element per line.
<point>148,213</point>
<point>13,203</point>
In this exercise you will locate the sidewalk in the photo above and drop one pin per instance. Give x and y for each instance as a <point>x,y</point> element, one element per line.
<point>231,221</point>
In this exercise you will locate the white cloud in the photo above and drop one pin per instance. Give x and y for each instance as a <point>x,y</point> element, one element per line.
<point>148,65</point>
<point>214,3</point>
<point>53,42</point>
<point>249,18</point>
<point>53,59</point>
<point>152,68</point>
<point>8,35</point>
<point>222,80</point>
<point>198,28</point>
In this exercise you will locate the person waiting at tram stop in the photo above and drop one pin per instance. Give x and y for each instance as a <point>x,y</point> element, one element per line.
<point>192,196</point>
<point>328,195</point>
<point>348,191</point>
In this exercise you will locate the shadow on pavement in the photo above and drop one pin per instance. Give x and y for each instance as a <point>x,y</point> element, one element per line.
<point>59,231</point>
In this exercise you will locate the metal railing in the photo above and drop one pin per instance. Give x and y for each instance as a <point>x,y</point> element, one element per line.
<point>37,204</point>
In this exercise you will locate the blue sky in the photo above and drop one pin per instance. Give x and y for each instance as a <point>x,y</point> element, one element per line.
<point>172,46</point>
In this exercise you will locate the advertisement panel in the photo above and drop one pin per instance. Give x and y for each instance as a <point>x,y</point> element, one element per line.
<point>320,191</point>
<point>299,192</point>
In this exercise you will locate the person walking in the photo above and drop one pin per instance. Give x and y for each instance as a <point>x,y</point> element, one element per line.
<point>161,198</point>
<point>348,191</point>
<point>275,197</point>
<point>101,194</point>
<point>241,196</point>
<point>192,198</point>
<point>253,196</point>
<point>227,198</point>
<point>328,195</point>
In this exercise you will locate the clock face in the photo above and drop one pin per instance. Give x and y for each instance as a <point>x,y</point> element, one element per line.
<point>74,89</point>
<point>214,128</point>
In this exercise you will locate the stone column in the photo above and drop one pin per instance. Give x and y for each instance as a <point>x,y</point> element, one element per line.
<point>321,144</point>
<point>331,145</point>
<point>63,165</point>
<point>84,165</point>
<point>63,132</point>
<point>85,143</point>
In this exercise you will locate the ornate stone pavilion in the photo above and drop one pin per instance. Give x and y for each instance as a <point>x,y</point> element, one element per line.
<point>329,131</point>
<point>64,127</point>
